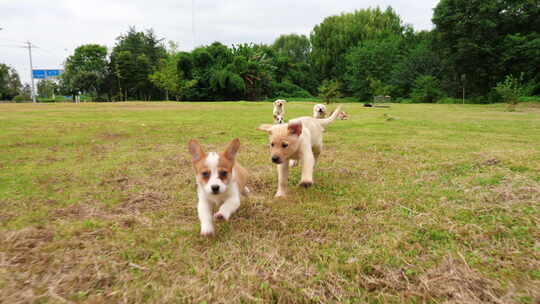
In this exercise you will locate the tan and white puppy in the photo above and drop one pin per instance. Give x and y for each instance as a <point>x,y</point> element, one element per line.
<point>279,119</point>
<point>319,111</point>
<point>220,182</point>
<point>279,107</point>
<point>343,115</point>
<point>301,139</point>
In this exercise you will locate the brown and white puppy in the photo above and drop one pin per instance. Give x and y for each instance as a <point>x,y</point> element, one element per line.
<point>220,181</point>
<point>319,111</point>
<point>301,139</point>
<point>279,107</point>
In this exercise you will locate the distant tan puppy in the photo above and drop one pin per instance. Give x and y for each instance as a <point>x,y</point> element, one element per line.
<point>300,139</point>
<point>220,181</point>
<point>279,107</point>
<point>343,115</point>
<point>319,111</point>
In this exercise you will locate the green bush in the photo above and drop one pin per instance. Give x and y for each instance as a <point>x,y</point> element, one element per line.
<point>494,97</point>
<point>22,98</point>
<point>512,88</point>
<point>450,100</point>
<point>529,99</point>
<point>403,100</point>
<point>478,100</point>
<point>426,89</point>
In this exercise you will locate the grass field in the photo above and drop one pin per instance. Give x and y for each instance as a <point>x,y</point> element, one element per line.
<point>412,204</point>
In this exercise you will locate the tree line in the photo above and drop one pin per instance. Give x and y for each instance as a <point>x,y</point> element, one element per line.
<point>477,48</point>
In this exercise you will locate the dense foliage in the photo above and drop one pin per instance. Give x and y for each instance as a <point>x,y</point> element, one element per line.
<point>10,83</point>
<point>474,46</point>
<point>483,41</point>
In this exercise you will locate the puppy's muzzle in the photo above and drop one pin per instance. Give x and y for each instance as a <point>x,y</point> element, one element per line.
<point>276,159</point>
<point>215,189</point>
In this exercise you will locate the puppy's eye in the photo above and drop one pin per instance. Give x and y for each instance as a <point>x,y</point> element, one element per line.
<point>206,174</point>
<point>284,145</point>
<point>272,144</point>
<point>223,174</point>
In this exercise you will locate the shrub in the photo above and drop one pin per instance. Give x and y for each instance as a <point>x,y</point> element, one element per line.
<point>450,100</point>
<point>22,98</point>
<point>529,99</point>
<point>288,90</point>
<point>478,100</point>
<point>512,88</point>
<point>426,89</point>
<point>329,90</point>
<point>494,97</point>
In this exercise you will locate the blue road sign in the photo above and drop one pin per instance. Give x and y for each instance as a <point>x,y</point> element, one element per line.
<point>52,73</point>
<point>42,74</point>
<point>38,74</point>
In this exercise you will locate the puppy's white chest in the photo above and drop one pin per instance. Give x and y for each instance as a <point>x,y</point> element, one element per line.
<point>218,199</point>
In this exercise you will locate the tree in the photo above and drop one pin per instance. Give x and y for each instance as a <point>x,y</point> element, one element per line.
<point>166,75</point>
<point>418,58</point>
<point>252,64</point>
<point>86,71</point>
<point>329,90</point>
<point>135,56</point>
<point>336,35</point>
<point>293,75</point>
<point>486,40</point>
<point>370,66</point>
<point>47,88</point>
<point>293,46</point>
<point>10,83</point>
<point>426,88</point>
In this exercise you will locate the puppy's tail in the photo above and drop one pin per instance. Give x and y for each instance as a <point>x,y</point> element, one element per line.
<point>329,120</point>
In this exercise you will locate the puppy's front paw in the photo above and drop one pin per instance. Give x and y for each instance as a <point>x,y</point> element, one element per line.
<point>207,233</point>
<point>306,184</point>
<point>207,230</point>
<point>280,194</point>
<point>221,216</point>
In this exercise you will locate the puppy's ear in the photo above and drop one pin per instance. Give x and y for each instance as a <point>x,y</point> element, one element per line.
<point>295,128</point>
<point>232,149</point>
<point>196,151</point>
<point>265,127</point>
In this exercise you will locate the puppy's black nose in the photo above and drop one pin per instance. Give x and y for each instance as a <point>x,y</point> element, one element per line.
<point>215,189</point>
<point>275,159</point>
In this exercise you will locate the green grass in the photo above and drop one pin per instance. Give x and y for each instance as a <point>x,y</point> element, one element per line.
<point>439,203</point>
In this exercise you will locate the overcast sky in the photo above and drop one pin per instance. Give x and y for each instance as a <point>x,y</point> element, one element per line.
<point>57,27</point>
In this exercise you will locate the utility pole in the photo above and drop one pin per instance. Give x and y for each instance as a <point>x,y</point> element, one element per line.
<point>31,70</point>
<point>463,82</point>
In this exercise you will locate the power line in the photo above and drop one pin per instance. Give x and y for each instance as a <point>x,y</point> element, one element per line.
<point>12,45</point>
<point>193,23</point>
<point>11,40</point>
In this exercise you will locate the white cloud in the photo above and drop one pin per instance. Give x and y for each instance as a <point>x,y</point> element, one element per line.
<point>59,26</point>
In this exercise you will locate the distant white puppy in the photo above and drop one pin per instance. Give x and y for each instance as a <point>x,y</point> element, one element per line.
<point>319,111</point>
<point>279,107</point>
